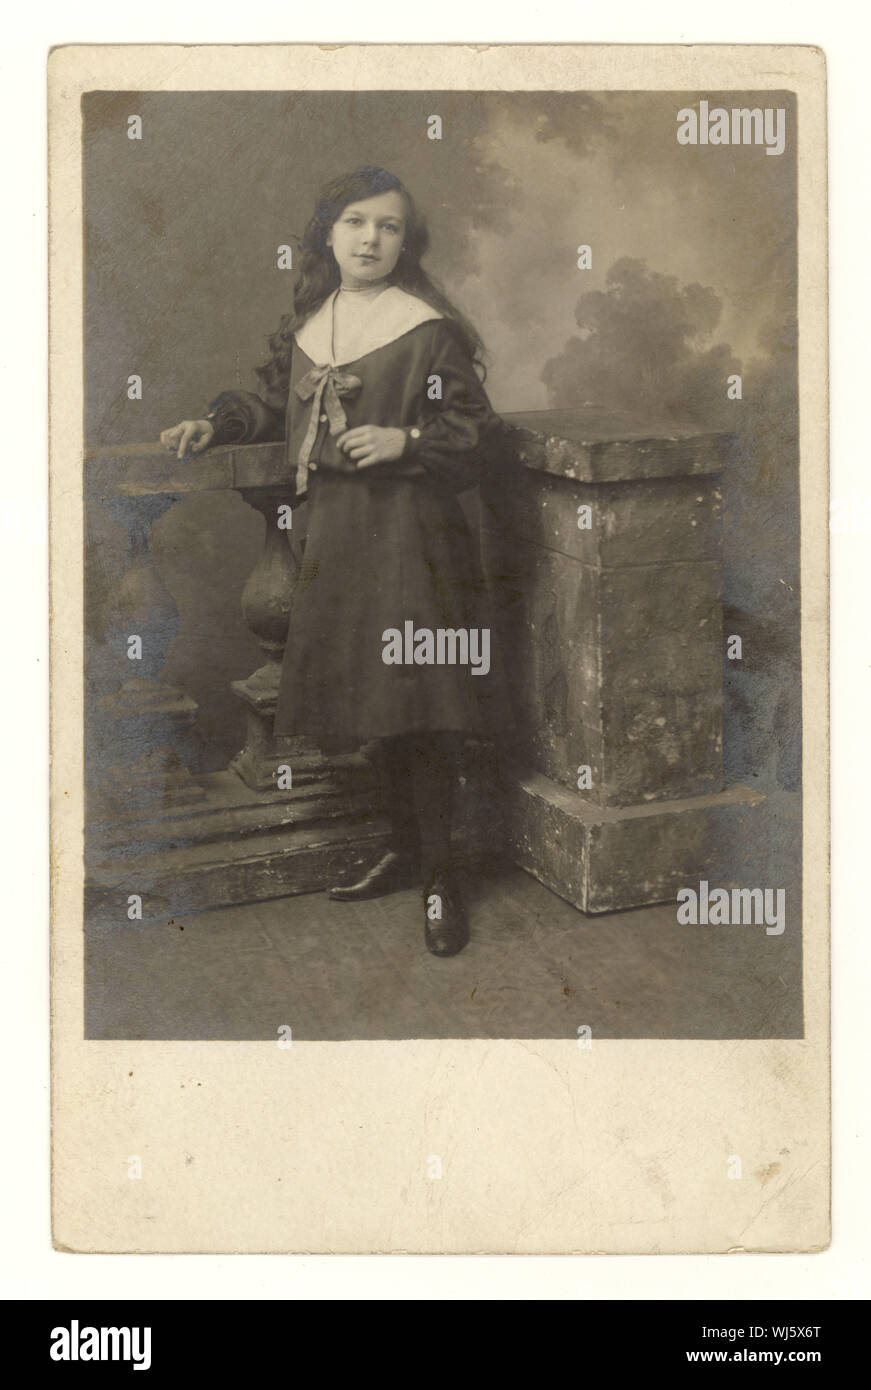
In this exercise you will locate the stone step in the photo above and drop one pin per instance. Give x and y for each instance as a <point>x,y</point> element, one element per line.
<point>228,808</point>
<point>217,873</point>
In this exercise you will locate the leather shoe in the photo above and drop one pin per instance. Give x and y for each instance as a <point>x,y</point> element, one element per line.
<point>447,933</point>
<point>393,872</point>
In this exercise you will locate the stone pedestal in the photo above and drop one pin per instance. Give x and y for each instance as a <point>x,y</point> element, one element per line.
<point>604,558</point>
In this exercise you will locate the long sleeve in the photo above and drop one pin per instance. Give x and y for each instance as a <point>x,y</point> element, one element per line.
<point>241,417</point>
<point>453,431</point>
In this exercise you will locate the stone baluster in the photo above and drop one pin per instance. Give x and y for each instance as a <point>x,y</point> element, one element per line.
<point>146,744</point>
<point>266,603</point>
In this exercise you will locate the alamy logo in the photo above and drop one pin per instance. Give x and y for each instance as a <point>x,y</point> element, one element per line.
<point>76,1343</point>
<point>447,646</point>
<point>744,907</point>
<point>742,125</point>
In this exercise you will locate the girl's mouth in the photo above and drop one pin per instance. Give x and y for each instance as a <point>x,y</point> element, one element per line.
<point>364,257</point>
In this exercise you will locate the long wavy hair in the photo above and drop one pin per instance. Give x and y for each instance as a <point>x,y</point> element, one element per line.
<point>319,272</point>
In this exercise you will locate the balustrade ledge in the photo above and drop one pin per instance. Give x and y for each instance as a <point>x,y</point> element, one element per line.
<point>142,470</point>
<point>580,445</point>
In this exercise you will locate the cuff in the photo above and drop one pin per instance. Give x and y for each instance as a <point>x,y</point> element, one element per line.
<point>411,452</point>
<point>240,417</point>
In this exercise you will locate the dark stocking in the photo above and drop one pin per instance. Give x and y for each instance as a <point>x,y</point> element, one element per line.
<point>398,793</point>
<point>418,773</point>
<point>433,765</point>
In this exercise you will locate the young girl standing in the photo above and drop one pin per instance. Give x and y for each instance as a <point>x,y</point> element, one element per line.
<point>373,384</point>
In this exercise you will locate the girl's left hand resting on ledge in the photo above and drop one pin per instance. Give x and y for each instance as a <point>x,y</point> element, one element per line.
<point>368,444</point>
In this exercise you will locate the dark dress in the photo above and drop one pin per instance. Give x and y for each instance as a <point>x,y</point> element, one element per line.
<point>388,544</point>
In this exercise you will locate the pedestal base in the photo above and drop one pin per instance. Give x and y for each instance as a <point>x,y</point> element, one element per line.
<point>264,752</point>
<point>604,859</point>
<point>150,747</point>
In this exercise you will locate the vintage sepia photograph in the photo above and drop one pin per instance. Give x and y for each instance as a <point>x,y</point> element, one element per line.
<point>440,742</point>
<point>442,652</point>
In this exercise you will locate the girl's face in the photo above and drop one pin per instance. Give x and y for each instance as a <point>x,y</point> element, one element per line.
<point>367,238</point>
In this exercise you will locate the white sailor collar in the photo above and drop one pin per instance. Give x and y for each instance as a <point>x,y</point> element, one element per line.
<point>394,313</point>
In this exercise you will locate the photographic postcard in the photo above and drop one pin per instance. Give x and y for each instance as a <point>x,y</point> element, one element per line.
<point>439,535</point>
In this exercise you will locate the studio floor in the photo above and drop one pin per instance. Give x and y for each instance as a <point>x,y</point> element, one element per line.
<point>535,968</point>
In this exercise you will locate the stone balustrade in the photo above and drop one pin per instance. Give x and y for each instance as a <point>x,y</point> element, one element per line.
<point>602,548</point>
<point>180,840</point>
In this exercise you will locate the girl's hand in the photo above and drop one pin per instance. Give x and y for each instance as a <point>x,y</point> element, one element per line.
<point>368,444</point>
<point>190,434</point>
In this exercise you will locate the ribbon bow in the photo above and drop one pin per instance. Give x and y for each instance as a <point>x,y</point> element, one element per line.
<point>322,385</point>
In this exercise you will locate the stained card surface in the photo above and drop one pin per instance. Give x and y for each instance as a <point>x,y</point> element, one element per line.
<point>439,605</point>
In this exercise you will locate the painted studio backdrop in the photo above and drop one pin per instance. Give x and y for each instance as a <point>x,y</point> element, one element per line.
<point>690,282</point>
